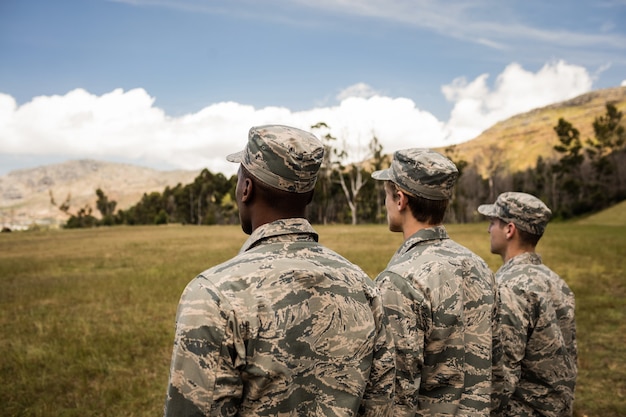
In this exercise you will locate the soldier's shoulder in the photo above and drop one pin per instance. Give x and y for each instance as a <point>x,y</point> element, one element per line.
<point>524,280</point>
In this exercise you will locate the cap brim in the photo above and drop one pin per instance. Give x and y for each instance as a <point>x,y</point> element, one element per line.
<point>488,210</point>
<point>382,175</point>
<point>236,157</point>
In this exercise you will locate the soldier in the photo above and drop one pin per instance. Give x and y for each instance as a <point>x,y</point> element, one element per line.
<point>441,299</point>
<point>536,313</point>
<point>286,327</point>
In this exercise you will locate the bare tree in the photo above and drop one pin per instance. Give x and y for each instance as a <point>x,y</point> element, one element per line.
<point>65,206</point>
<point>324,178</point>
<point>349,175</point>
<point>493,166</point>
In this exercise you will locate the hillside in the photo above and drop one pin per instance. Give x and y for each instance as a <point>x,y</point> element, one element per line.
<point>511,145</point>
<point>25,194</point>
<point>613,216</point>
<point>516,143</point>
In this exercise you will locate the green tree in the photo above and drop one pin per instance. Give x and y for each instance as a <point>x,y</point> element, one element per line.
<point>207,200</point>
<point>461,204</point>
<point>161,217</point>
<point>588,176</point>
<point>609,139</point>
<point>106,208</point>
<point>610,135</point>
<point>568,195</point>
<point>83,218</point>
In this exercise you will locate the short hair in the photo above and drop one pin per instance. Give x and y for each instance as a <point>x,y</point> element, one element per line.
<point>525,237</point>
<point>528,238</point>
<point>424,210</point>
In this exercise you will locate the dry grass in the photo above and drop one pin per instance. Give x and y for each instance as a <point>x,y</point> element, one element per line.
<point>87,315</point>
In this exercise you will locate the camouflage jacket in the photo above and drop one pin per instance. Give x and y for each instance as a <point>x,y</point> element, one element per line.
<point>287,327</point>
<point>441,301</point>
<point>539,339</point>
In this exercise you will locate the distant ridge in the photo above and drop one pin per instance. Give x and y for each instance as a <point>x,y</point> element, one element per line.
<point>25,193</point>
<point>513,144</point>
<point>517,142</point>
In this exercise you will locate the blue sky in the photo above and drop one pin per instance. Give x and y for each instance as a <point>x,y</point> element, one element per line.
<point>177,84</point>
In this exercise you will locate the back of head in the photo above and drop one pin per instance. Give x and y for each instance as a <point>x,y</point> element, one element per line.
<point>528,213</point>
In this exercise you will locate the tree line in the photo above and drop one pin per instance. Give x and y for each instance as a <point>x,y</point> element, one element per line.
<point>588,175</point>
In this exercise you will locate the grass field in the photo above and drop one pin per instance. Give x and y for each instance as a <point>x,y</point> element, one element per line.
<point>87,316</point>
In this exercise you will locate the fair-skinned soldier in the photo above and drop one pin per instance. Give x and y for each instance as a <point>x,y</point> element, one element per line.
<point>441,299</point>
<point>536,314</point>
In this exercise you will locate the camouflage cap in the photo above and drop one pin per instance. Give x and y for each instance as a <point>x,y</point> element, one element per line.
<point>525,211</point>
<point>421,172</point>
<point>282,157</point>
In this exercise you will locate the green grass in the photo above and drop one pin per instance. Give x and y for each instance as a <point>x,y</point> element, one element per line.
<point>613,216</point>
<point>87,316</point>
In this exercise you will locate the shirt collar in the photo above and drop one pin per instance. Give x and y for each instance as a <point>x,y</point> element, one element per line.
<point>524,258</point>
<point>423,235</point>
<point>279,228</point>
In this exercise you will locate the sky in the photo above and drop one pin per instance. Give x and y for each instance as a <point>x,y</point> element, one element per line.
<point>177,84</point>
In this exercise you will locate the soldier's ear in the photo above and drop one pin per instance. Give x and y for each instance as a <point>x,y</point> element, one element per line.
<point>509,230</point>
<point>247,190</point>
<point>403,200</point>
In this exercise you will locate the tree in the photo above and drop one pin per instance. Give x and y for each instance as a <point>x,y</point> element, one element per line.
<point>494,155</point>
<point>567,198</point>
<point>106,208</point>
<point>82,218</point>
<point>323,186</point>
<point>459,203</point>
<point>610,137</point>
<point>590,173</point>
<point>348,175</point>
<point>207,200</point>
<point>376,151</point>
<point>65,206</point>
<point>355,179</point>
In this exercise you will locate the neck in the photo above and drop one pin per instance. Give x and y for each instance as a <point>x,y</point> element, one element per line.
<point>412,226</point>
<point>514,250</point>
<point>268,215</point>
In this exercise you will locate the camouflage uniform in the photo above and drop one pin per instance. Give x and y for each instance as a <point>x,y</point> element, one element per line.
<point>441,301</point>
<point>285,328</point>
<point>537,320</point>
<point>539,336</point>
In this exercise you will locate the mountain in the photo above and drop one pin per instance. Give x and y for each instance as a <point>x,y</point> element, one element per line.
<point>25,195</point>
<point>512,145</point>
<point>515,143</point>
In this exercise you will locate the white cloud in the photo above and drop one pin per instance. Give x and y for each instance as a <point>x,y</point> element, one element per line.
<point>516,90</point>
<point>396,122</point>
<point>623,84</point>
<point>357,90</point>
<point>126,125</point>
